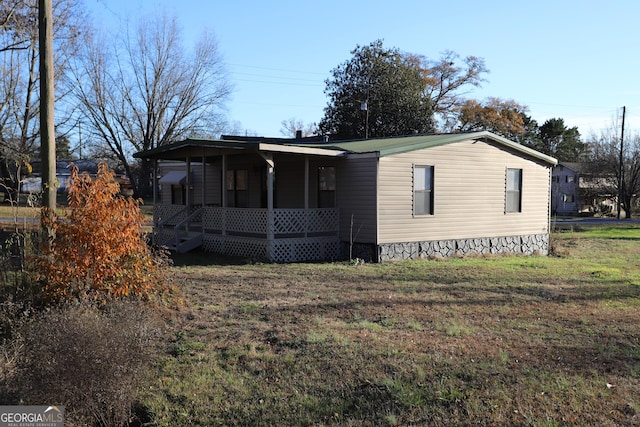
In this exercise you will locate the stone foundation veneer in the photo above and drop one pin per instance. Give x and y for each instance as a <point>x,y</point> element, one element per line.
<point>524,245</point>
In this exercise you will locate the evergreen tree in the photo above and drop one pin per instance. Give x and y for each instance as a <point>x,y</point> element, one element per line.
<point>561,142</point>
<point>379,92</point>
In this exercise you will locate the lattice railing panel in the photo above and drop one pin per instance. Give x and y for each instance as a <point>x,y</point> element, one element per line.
<point>175,213</point>
<point>321,220</point>
<point>289,221</point>
<point>246,220</point>
<point>304,249</point>
<point>297,221</point>
<point>243,232</point>
<point>235,246</point>
<point>212,219</point>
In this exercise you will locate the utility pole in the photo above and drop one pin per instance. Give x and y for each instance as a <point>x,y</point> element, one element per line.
<point>621,170</point>
<point>47,130</point>
<point>364,106</point>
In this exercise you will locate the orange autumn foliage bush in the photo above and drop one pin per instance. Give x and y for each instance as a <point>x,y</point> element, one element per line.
<point>97,250</point>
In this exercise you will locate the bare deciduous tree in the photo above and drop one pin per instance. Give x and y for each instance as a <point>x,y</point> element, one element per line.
<point>145,90</point>
<point>445,79</point>
<point>605,174</point>
<point>20,79</point>
<point>14,25</point>
<point>291,126</point>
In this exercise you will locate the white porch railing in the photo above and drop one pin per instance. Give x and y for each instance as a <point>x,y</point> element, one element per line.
<point>285,222</point>
<point>287,235</point>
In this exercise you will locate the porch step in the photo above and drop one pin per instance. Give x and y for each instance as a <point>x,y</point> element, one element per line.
<point>187,244</point>
<point>194,226</point>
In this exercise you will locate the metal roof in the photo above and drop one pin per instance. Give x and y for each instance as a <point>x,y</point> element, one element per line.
<point>403,144</point>
<point>380,146</point>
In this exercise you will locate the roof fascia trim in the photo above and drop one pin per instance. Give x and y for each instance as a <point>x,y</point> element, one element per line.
<point>297,149</point>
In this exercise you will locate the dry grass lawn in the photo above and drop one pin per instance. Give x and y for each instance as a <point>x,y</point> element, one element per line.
<point>539,341</point>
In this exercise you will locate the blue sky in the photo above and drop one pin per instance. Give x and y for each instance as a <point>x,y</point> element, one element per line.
<point>573,59</point>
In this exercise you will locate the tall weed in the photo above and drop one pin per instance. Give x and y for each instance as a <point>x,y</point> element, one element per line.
<point>91,360</point>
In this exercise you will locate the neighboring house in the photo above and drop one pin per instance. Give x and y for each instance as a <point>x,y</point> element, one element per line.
<point>576,192</point>
<point>33,183</point>
<point>378,199</point>
<point>565,189</point>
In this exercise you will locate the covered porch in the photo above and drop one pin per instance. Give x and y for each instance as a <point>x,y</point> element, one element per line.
<point>249,199</point>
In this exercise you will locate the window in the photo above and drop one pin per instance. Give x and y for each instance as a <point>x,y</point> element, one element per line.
<point>571,178</point>
<point>423,190</point>
<point>178,194</point>
<point>326,187</point>
<point>514,190</point>
<point>237,188</point>
<point>569,198</point>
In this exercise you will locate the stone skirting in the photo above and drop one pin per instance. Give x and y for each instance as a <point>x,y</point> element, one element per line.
<point>524,245</point>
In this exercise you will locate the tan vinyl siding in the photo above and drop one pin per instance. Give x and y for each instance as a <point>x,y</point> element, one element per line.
<point>469,194</point>
<point>212,185</point>
<point>290,184</point>
<point>356,195</point>
<point>290,191</point>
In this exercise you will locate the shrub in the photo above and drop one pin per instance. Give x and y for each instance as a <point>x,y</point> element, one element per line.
<point>91,360</point>
<point>97,250</point>
<point>18,295</point>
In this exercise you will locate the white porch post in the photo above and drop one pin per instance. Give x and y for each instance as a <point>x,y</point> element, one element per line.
<point>188,182</point>
<point>204,181</point>
<point>223,181</point>
<point>155,182</point>
<point>306,182</point>
<point>306,195</point>
<point>270,218</point>
<point>223,188</point>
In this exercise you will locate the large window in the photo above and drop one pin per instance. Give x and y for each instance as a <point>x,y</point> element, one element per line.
<point>326,187</point>
<point>423,190</point>
<point>514,190</point>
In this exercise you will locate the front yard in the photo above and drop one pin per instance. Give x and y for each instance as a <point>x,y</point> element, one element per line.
<point>538,341</point>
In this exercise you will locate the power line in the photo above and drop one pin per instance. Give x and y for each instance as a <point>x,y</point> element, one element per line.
<point>277,69</point>
<point>279,83</point>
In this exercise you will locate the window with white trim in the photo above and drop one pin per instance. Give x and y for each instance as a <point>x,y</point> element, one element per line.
<point>423,190</point>
<point>514,190</point>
